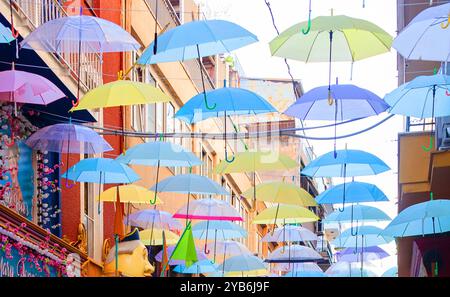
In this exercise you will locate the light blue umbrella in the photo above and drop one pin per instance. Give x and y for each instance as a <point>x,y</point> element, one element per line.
<point>354,192</point>
<point>101,171</point>
<point>368,236</point>
<point>195,40</point>
<point>159,153</point>
<point>5,34</point>
<point>361,213</point>
<point>202,266</point>
<point>242,263</point>
<point>305,274</point>
<point>431,217</point>
<point>350,269</point>
<point>227,102</point>
<point>391,272</point>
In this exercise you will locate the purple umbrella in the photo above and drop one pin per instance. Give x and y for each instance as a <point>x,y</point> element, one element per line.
<point>200,256</point>
<point>364,254</point>
<point>68,139</point>
<point>351,101</point>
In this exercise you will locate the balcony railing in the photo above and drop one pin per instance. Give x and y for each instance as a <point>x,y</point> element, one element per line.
<point>38,12</point>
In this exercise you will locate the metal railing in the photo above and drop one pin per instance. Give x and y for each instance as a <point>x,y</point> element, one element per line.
<point>38,12</point>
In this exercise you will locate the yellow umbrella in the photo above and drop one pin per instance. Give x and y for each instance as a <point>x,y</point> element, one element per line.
<point>121,93</point>
<point>285,214</point>
<point>129,194</point>
<point>157,238</point>
<point>280,192</point>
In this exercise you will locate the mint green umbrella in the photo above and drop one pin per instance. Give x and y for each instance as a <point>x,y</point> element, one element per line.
<point>331,38</point>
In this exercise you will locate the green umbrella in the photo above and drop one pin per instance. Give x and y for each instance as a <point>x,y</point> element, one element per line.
<point>331,38</point>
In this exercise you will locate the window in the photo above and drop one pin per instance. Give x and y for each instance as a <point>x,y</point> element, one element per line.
<point>170,120</point>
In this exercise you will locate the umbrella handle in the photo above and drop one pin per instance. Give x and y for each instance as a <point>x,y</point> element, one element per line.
<point>445,26</point>
<point>206,102</point>
<point>152,202</point>
<point>364,3</point>
<point>206,250</point>
<point>427,149</point>
<point>229,160</point>
<point>68,186</point>
<point>447,93</point>
<point>75,104</point>
<point>11,142</point>
<point>305,32</point>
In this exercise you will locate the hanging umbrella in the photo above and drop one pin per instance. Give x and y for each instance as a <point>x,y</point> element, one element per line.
<point>5,34</point>
<point>25,87</point>
<point>350,269</point>
<point>159,153</point>
<point>230,248</point>
<point>358,254</point>
<point>423,97</point>
<point>195,40</point>
<point>285,214</point>
<point>242,263</point>
<point>362,213</point>
<point>128,194</point>
<point>121,93</point>
<point>305,274</point>
<point>297,267</point>
<point>428,27</point>
<point>256,161</point>
<point>306,269</point>
<point>367,236</point>
<point>290,233</point>
<point>209,209</point>
<point>80,34</point>
<point>184,249</point>
<point>200,256</point>
<point>156,236</point>
<point>203,266</point>
<point>68,139</point>
<point>153,217</point>
<point>227,102</point>
<point>354,192</point>
<point>431,217</point>
<point>391,272</point>
<point>293,254</point>
<point>331,38</point>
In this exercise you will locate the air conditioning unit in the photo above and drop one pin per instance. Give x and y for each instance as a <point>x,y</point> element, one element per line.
<point>445,145</point>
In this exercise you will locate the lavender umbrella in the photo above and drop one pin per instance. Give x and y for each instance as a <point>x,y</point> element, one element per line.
<point>200,256</point>
<point>361,254</point>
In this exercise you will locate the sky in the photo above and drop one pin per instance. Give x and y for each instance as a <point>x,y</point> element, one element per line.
<point>378,74</point>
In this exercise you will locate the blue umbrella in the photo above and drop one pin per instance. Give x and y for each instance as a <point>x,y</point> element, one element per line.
<point>423,97</point>
<point>242,263</point>
<point>227,101</point>
<point>5,34</point>
<point>357,212</point>
<point>195,40</point>
<point>350,269</point>
<point>391,272</point>
<point>159,153</point>
<point>202,266</point>
<point>305,274</point>
<point>354,192</point>
<point>101,171</point>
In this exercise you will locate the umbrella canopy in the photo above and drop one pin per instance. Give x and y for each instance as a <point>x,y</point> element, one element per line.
<point>256,161</point>
<point>350,269</point>
<point>357,212</point>
<point>203,266</point>
<point>290,233</point>
<point>354,192</point>
<point>65,34</point>
<point>190,184</point>
<point>352,102</point>
<point>358,254</point>
<point>231,248</point>
<point>366,236</point>
<point>25,87</point>
<point>353,40</point>
<point>200,256</point>
<point>292,254</point>
<point>285,214</point>
<point>121,93</point>
<point>5,34</point>
<point>101,170</point>
<point>423,97</point>
<point>346,163</point>
<point>155,237</point>
<point>297,267</point>
<point>152,217</point>
<point>305,274</point>
<point>280,192</point>
<point>159,152</point>
<point>224,230</point>
<point>197,39</point>
<point>128,194</point>
<point>391,272</point>
<point>246,262</point>
<point>68,138</point>
<point>227,101</point>
<point>429,217</point>
<point>427,27</point>
<point>208,209</point>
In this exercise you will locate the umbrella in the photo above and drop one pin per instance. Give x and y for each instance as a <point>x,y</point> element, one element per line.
<point>231,248</point>
<point>242,263</point>
<point>209,209</point>
<point>155,237</point>
<point>80,34</point>
<point>350,269</point>
<point>367,236</point>
<point>305,274</point>
<point>331,38</point>
<point>306,269</point>
<point>290,233</point>
<point>357,254</point>
<point>351,102</point>
<point>423,97</point>
<point>354,192</point>
<point>297,267</point>
<point>429,217</point>
<point>203,266</point>
<point>227,101</point>
<point>184,249</point>
<point>121,93</point>
<point>293,254</point>
<point>247,273</point>
<point>426,28</point>
<point>25,87</point>
<point>159,153</point>
<point>256,161</point>
<point>391,272</point>
<point>200,256</point>
<point>195,40</point>
<point>128,193</point>
<point>285,214</point>
<point>223,230</point>
<point>68,139</point>
<point>5,34</point>
<point>153,217</point>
